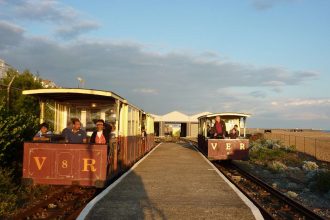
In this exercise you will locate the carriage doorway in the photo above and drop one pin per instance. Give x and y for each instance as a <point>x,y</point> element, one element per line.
<point>156,127</point>
<point>183,131</point>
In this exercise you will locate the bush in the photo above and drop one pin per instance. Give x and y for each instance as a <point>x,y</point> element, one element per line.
<point>8,190</point>
<point>270,150</point>
<point>261,150</point>
<point>309,166</point>
<point>277,166</point>
<point>14,130</point>
<point>322,181</point>
<point>292,194</point>
<point>18,102</point>
<point>14,196</point>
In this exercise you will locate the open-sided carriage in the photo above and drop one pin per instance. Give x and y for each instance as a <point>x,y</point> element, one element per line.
<point>53,161</point>
<point>226,148</point>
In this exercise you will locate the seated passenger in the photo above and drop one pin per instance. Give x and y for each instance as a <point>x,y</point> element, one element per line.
<point>41,134</point>
<point>76,135</point>
<point>101,135</point>
<point>219,128</point>
<point>234,133</point>
<point>68,129</point>
<point>209,131</point>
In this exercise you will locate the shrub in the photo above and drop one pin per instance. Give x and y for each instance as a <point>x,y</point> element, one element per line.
<point>277,166</point>
<point>322,181</point>
<point>309,166</point>
<point>258,151</point>
<point>8,190</point>
<point>14,130</point>
<point>292,194</point>
<point>14,196</point>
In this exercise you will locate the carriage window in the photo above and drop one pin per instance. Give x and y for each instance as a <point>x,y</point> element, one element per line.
<point>134,122</point>
<point>129,119</point>
<point>54,113</point>
<point>137,120</point>
<point>88,113</point>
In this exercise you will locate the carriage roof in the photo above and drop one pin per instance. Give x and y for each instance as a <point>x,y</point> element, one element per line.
<point>64,94</point>
<point>232,114</point>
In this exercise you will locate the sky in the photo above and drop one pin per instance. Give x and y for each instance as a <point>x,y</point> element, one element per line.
<point>269,58</point>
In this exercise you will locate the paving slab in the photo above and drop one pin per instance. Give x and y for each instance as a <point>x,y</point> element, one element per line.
<point>173,182</point>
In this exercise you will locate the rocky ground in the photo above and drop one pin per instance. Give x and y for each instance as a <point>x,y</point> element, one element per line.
<point>300,177</point>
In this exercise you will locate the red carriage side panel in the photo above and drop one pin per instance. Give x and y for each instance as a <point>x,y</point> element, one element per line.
<point>223,149</point>
<point>65,164</point>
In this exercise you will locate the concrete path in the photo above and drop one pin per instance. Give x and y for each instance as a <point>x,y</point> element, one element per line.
<point>173,182</point>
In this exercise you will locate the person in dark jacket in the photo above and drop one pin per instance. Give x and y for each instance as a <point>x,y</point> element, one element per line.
<point>76,135</point>
<point>219,128</point>
<point>101,135</point>
<point>234,133</point>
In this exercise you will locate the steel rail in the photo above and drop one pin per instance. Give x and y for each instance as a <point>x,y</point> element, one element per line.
<point>298,206</point>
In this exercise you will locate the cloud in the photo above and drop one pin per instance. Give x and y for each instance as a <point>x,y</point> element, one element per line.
<point>51,11</point>
<point>301,109</point>
<point>267,4</point>
<point>146,91</point>
<point>182,80</point>
<point>67,32</point>
<point>11,34</point>
<point>65,20</point>
<point>306,116</point>
<point>175,80</point>
<point>258,94</point>
<point>308,102</point>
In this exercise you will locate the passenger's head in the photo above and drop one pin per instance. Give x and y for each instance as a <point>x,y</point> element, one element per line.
<point>44,127</point>
<point>235,126</point>
<point>76,124</point>
<point>217,118</point>
<point>99,124</point>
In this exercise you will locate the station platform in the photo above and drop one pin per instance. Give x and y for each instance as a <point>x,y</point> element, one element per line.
<point>174,181</point>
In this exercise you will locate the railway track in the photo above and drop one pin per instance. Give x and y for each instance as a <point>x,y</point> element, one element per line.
<point>272,203</point>
<point>67,203</point>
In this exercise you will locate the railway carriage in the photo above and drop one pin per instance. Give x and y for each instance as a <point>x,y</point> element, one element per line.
<point>223,149</point>
<point>53,161</point>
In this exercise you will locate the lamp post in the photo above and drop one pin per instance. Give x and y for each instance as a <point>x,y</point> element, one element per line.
<point>81,82</point>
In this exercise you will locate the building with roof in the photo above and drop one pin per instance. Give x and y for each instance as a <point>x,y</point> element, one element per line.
<point>4,67</point>
<point>177,123</point>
